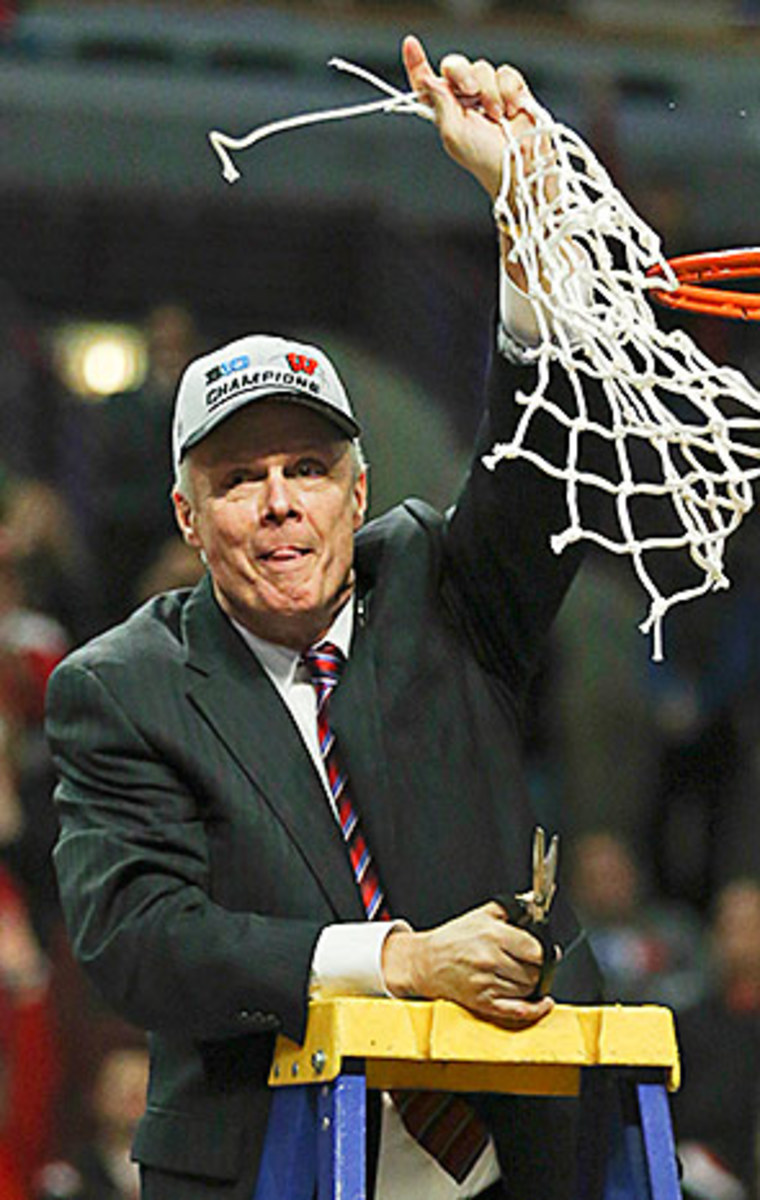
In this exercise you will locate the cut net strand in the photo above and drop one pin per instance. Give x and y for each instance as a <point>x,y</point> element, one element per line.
<point>396,101</point>
<point>590,263</point>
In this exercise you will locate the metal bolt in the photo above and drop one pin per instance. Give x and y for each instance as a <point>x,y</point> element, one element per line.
<point>318,1061</point>
<point>325,1124</point>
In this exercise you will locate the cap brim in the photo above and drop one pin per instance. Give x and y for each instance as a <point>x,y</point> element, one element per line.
<point>342,421</point>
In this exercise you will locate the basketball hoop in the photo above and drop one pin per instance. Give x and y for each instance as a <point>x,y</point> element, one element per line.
<point>693,271</point>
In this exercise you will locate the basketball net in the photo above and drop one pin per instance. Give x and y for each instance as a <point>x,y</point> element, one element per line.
<point>585,255</point>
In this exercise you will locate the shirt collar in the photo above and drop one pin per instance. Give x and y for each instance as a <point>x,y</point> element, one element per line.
<point>281,662</point>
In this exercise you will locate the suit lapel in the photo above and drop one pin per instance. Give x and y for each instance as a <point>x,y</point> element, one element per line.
<point>243,707</point>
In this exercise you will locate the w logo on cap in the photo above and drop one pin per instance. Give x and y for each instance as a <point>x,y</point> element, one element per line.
<point>300,362</point>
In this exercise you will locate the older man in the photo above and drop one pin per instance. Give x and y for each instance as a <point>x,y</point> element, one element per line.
<point>239,829</point>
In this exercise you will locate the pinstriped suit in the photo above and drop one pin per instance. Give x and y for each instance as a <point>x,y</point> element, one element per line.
<point>198,860</point>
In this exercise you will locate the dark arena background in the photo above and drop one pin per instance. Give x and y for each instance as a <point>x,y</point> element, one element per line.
<point>123,252</point>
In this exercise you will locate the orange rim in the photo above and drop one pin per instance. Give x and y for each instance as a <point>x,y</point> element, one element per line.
<point>693,271</point>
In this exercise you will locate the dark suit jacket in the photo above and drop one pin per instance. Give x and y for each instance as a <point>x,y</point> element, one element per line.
<point>198,859</point>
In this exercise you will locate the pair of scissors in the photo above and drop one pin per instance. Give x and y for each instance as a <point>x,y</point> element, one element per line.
<point>530,910</point>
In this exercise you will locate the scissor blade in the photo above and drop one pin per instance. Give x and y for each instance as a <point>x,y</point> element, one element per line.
<point>544,871</point>
<point>551,860</point>
<point>539,862</point>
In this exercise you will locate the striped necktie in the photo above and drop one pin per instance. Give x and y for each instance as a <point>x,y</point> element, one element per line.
<point>442,1122</point>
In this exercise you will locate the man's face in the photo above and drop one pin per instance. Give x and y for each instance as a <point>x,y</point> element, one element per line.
<point>274,500</point>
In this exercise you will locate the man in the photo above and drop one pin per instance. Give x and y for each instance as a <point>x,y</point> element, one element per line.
<point>207,883</point>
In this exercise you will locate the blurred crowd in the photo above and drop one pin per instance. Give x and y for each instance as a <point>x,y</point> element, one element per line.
<point>85,533</point>
<point>650,773</point>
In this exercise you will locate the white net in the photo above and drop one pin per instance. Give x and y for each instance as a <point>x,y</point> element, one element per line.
<point>674,444</point>
<point>586,257</point>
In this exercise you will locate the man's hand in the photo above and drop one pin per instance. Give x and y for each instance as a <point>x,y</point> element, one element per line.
<point>469,100</point>
<point>478,960</point>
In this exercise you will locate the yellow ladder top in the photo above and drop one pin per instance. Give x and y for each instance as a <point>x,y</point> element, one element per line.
<point>437,1044</point>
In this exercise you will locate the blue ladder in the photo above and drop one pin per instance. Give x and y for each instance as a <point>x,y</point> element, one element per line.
<point>621,1066</point>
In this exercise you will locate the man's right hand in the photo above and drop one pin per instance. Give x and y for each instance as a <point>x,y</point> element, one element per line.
<point>478,960</point>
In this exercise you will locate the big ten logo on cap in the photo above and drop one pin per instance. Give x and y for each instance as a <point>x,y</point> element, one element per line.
<point>227,368</point>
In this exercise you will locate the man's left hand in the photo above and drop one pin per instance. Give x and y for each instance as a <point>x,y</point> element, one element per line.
<point>469,100</point>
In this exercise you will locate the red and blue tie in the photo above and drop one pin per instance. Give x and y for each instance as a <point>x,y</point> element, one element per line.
<point>443,1123</point>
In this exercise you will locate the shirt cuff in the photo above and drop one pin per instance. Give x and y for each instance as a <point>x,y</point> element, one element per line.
<point>518,326</point>
<point>347,959</point>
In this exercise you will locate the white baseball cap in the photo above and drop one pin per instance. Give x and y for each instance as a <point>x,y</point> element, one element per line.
<point>259,366</point>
